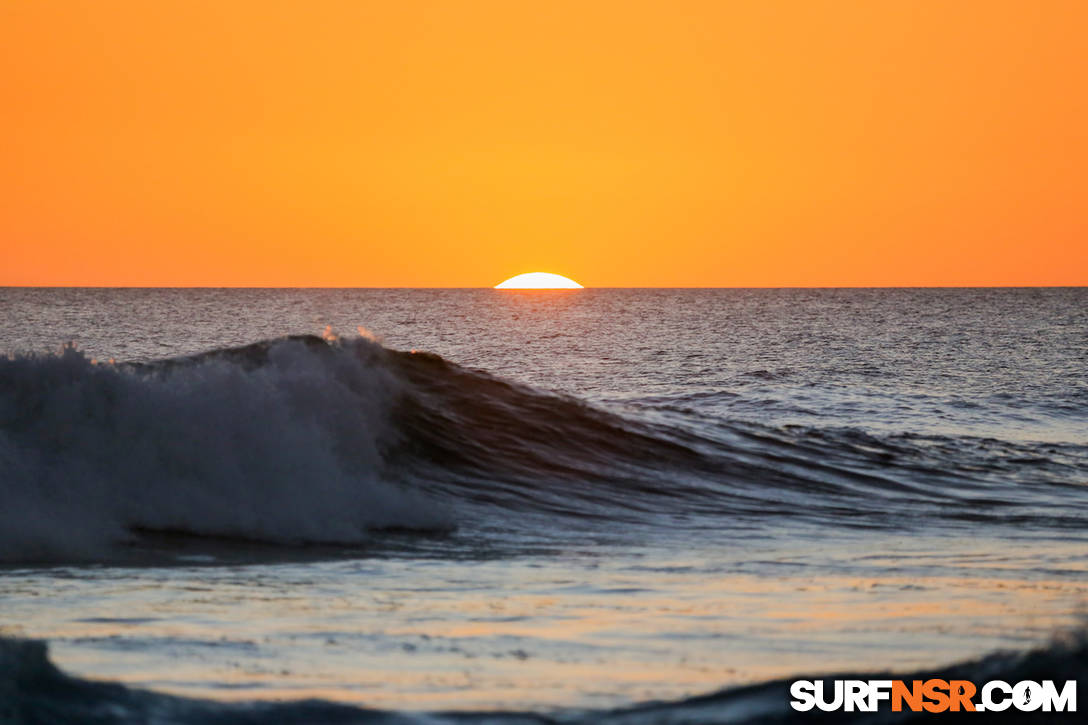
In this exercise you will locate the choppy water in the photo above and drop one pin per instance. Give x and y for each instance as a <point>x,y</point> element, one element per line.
<point>537,500</point>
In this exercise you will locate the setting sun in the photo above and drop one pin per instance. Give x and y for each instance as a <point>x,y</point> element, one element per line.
<point>539,280</point>
<point>355,143</point>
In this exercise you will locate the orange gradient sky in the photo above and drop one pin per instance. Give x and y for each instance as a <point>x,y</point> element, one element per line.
<point>620,143</point>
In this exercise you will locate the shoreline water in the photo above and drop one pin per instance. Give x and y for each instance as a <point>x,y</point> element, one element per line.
<point>34,690</point>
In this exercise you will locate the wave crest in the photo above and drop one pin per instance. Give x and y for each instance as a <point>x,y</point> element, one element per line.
<point>279,441</point>
<point>313,440</point>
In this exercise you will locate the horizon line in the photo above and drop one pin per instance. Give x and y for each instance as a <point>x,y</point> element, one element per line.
<point>584,287</point>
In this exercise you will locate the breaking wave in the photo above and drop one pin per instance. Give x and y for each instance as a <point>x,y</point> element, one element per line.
<point>311,440</point>
<point>274,442</point>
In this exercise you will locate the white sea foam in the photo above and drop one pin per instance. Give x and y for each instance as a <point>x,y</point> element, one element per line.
<point>282,447</point>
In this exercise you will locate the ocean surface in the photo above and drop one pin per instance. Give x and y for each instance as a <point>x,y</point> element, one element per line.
<point>545,504</point>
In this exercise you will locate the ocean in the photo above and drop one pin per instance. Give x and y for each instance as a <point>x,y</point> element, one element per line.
<point>531,506</point>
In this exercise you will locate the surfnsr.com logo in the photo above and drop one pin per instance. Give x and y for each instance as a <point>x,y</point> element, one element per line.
<point>933,696</point>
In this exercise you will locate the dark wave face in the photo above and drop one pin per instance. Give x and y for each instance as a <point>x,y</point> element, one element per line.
<point>306,440</point>
<point>465,429</point>
<point>33,690</point>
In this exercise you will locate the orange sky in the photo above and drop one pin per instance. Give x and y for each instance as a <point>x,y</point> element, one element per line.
<point>621,143</point>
